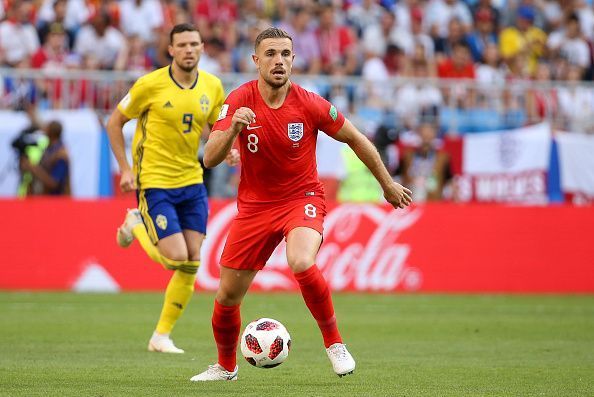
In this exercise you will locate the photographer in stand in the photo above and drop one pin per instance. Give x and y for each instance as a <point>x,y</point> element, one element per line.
<point>43,159</point>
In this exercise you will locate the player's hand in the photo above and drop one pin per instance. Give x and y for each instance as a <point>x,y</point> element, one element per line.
<point>25,164</point>
<point>233,157</point>
<point>127,181</point>
<point>398,195</point>
<point>241,118</point>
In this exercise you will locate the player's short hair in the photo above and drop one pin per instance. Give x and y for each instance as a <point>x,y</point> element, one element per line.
<point>271,33</point>
<point>182,27</point>
<point>54,129</point>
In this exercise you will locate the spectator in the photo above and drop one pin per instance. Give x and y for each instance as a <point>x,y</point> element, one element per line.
<point>394,59</point>
<point>576,103</point>
<point>439,13</point>
<point>425,166</point>
<point>305,44</point>
<point>486,7</point>
<point>52,175</point>
<point>490,73</point>
<point>584,10</point>
<point>444,46</point>
<point>71,13</point>
<point>103,42</point>
<point>364,14</point>
<point>418,36</point>
<point>570,45</point>
<point>173,15</point>
<point>142,18</point>
<point>213,59</point>
<point>18,37</point>
<point>19,92</point>
<point>404,11</point>
<point>211,15</point>
<point>418,99</point>
<point>52,55</point>
<point>337,44</point>
<point>458,66</point>
<point>358,184</point>
<point>137,58</point>
<point>377,37</point>
<point>242,54</point>
<point>57,16</point>
<point>483,35</point>
<point>521,46</point>
<point>543,104</point>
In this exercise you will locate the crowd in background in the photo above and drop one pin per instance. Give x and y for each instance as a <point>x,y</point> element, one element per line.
<point>488,40</point>
<point>493,43</point>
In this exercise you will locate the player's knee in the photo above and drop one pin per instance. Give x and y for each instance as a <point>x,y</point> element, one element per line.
<point>175,254</point>
<point>300,264</point>
<point>228,297</point>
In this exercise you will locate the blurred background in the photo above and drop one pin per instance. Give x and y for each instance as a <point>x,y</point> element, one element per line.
<point>484,108</point>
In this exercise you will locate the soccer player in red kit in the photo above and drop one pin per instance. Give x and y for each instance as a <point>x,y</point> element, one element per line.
<point>276,123</point>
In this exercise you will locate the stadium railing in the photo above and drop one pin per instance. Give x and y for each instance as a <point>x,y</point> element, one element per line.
<point>458,106</point>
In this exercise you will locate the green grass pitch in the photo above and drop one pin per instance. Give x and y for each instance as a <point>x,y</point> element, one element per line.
<point>64,344</point>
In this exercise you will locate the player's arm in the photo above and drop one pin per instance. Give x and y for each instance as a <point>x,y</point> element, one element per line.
<point>220,142</point>
<point>118,147</point>
<point>395,193</point>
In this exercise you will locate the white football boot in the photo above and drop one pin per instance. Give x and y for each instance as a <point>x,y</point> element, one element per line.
<point>124,235</point>
<point>163,344</point>
<point>215,372</point>
<point>342,361</point>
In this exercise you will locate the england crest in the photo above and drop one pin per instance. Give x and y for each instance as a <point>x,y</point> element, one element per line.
<point>295,131</point>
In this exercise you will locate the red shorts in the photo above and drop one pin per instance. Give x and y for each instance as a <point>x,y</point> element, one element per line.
<point>255,234</point>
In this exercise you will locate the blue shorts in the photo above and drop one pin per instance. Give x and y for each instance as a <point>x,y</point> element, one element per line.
<point>169,211</point>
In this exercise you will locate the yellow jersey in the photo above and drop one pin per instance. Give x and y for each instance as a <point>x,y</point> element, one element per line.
<point>170,122</point>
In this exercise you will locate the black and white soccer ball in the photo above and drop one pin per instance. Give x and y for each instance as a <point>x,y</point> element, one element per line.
<point>265,343</point>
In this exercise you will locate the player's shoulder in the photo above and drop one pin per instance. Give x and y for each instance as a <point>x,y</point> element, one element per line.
<point>245,92</point>
<point>247,87</point>
<point>155,77</point>
<point>305,95</point>
<point>208,78</point>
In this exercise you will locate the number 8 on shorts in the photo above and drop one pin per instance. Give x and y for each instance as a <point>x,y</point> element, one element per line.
<point>310,210</point>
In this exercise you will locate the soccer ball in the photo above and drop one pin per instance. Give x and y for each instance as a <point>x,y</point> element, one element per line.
<point>265,343</point>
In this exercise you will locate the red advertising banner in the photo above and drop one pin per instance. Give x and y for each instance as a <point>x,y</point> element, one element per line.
<point>67,244</point>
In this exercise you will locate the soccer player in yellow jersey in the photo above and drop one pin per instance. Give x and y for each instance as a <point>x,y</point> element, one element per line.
<point>172,105</point>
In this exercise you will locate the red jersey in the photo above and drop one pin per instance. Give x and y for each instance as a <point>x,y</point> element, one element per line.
<point>278,150</point>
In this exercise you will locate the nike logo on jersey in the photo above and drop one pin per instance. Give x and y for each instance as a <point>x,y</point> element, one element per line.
<point>168,105</point>
<point>254,127</point>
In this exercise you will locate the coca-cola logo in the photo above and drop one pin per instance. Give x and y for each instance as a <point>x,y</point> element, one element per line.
<point>360,251</point>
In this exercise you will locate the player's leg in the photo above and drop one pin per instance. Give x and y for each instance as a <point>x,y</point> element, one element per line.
<point>226,323</point>
<point>153,221</point>
<point>177,297</point>
<point>250,243</point>
<point>192,214</point>
<point>304,237</point>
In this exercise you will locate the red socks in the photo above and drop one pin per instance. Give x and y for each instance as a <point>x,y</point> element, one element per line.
<point>319,302</point>
<point>226,326</point>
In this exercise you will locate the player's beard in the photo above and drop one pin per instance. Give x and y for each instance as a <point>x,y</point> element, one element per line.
<point>271,81</point>
<point>185,68</point>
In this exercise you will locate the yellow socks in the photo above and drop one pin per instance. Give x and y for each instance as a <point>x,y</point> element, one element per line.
<point>152,251</point>
<point>180,287</point>
<point>177,296</point>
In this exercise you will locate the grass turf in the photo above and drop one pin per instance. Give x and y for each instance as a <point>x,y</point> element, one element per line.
<point>64,344</point>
